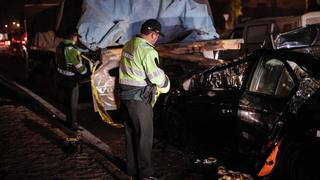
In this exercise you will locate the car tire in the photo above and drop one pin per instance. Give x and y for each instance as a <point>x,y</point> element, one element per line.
<point>299,161</point>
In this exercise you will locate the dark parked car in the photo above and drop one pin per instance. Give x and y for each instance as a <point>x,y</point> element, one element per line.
<point>4,42</point>
<point>270,99</point>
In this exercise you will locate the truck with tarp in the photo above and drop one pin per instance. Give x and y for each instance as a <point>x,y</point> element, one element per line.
<point>189,44</point>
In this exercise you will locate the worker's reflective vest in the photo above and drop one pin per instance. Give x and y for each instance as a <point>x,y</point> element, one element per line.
<point>138,68</point>
<point>68,59</point>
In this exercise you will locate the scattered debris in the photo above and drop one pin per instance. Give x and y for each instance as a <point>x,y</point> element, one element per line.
<point>232,175</point>
<point>72,145</point>
<point>207,161</point>
<point>210,161</point>
<point>198,161</point>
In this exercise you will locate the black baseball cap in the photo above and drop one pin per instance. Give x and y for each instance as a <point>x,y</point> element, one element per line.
<point>75,32</point>
<point>152,25</point>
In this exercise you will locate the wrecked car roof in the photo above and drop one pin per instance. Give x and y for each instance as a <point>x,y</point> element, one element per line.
<point>307,36</point>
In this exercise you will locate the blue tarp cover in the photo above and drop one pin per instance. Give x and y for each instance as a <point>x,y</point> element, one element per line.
<point>107,23</point>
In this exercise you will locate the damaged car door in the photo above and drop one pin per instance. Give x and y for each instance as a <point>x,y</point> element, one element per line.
<point>264,101</point>
<point>204,111</point>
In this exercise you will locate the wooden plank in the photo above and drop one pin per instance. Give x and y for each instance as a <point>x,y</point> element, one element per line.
<point>200,46</point>
<point>188,58</point>
<point>186,49</point>
<point>185,52</point>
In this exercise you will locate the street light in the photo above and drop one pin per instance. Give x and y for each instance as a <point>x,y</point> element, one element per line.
<point>18,25</point>
<point>13,23</point>
<point>6,26</point>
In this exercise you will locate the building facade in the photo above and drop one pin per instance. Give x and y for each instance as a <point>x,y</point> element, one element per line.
<point>251,9</point>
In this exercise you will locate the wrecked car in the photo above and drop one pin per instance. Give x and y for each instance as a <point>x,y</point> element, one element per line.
<point>265,107</point>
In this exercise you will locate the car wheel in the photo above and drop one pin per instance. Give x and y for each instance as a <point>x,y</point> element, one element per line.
<point>299,161</point>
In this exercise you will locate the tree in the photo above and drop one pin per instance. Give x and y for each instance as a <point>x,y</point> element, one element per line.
<point>235,13</point>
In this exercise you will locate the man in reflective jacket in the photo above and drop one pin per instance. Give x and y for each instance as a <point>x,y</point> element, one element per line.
<point>139,78</point>
<point>70,68</point>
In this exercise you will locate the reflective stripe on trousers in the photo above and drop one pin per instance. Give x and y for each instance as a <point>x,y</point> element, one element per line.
<point>65,72</point>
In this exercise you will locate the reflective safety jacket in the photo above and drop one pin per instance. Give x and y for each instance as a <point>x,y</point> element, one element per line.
<point>138,68</point>
<point>68,59</point>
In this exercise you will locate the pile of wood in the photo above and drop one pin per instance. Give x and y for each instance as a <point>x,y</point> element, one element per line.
<point>195,52</point>
<point>190,52</point>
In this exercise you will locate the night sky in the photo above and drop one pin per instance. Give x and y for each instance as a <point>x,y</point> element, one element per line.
<point>9,11</point>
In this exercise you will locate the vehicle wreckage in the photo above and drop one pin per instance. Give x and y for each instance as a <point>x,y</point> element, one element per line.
<point>265,106</point>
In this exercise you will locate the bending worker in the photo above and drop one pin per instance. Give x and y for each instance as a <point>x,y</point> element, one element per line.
<point>139,78</point>
<point>70,68</point>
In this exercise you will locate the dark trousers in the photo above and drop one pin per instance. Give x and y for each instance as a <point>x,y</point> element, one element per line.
<point>138,122</point>
<point>71,98</point>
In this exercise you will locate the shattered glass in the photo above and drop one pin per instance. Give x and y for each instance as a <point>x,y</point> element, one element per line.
<point>309,50</point>
<point>231,77</point>
<point>306,89</point>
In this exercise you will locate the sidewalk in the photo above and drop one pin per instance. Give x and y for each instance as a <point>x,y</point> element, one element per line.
<point>32,148</point>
